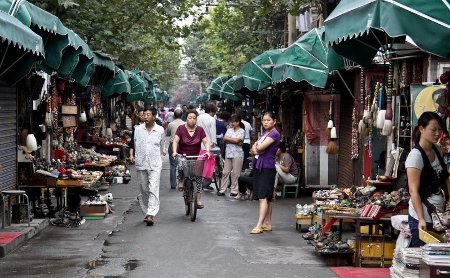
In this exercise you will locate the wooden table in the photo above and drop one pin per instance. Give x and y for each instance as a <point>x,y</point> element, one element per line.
<point>61,200</point>
<point>359,220</point>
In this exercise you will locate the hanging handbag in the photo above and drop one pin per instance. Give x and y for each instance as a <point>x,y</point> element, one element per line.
<point>440,219</point>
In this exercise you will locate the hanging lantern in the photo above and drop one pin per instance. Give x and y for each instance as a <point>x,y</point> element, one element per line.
<point>83,117</point>
<point>32,142</point>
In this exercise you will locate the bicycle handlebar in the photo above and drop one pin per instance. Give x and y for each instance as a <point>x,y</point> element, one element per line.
<point>191,156</point>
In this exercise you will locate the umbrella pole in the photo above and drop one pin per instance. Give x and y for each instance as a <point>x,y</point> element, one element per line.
<point>4,55</point>
<point>3,72</point>
<point>345,84</point>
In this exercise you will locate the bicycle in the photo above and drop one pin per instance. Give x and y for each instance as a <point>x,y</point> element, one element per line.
<point>218,171</point>
<point>192,168</point>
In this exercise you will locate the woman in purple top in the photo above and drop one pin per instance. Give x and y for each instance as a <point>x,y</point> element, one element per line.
<point>264,151</point>
<point>188,139</point>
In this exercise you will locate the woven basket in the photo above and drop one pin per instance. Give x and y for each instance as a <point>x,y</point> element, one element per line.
<point>429,237</point>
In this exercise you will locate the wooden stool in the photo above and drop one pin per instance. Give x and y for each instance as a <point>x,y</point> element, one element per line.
<point>6,194</point>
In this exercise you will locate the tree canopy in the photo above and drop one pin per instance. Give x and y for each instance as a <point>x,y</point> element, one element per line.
<point>230,35</point>
<point>136,34</point>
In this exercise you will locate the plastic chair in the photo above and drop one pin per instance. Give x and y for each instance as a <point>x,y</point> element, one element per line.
<point>296,185</point>
<point>295,192</point>
<point>6,194</point>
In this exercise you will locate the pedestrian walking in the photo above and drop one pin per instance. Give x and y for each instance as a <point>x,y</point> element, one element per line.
<point>208,123</point>
<point>171,131</point>
<point>149,141</point>
<point>169,116</point>
<point>139,119</point>
<point>264,151</point>
<point>188,140</point>
<point>234,156</point>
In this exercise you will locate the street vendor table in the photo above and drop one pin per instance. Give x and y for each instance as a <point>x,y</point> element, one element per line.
<point>359,221</point>
<point>61,185</point>
<point>108,149</point>
<point>95,166</point>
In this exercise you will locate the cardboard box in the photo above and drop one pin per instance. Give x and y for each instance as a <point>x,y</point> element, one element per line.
<point>93,210</point>
<point>69,109</point>
<point>69,182</point>
<point>42,180</point>
<point>69,121</point>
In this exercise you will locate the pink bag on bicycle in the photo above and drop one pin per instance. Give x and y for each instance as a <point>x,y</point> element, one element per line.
<point>210,165</point>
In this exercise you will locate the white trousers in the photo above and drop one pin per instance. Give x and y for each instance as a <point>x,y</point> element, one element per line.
<point>234,164</point>
<point>148,196</point>
<point>284,178</point>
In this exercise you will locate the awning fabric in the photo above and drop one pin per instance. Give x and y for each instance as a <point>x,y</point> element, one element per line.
<point>65,51</point>
<point>45,24</point>
<point>72,54</point>
<point>308,59</point>
<point>149,88</point>
<point>227,91</point>
<point>256,75</point>
<point>138,89</point>
<point>103,60</point>
<point>216,85</point>
<point>358,28</point>
<point>117,85</point>
<point>104,69</point>
<point>20,49</point>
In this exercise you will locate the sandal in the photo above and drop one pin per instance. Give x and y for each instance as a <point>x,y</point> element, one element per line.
<point>265,229</point>
<point>256,230</point>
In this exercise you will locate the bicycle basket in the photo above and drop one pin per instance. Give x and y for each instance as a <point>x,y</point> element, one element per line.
<point>193,167</point>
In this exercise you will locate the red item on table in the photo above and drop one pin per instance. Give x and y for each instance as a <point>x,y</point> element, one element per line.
<point>59,154</point>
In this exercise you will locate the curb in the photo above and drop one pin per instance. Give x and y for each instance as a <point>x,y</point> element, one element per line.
<point>27,233</point>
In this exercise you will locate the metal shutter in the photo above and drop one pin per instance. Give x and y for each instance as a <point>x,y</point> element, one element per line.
<point>8,137</point>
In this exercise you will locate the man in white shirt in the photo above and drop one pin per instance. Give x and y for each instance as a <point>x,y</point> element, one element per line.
<point>208,123</point>
<point>149,140</point>
<point>246,142</point>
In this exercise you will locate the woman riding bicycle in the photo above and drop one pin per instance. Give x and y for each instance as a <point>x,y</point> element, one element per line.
<point>188,139</point>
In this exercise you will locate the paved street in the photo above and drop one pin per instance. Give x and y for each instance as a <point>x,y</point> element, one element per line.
<point>218,244</point>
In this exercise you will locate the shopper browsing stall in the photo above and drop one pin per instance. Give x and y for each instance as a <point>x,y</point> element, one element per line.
<point>149,144</point>
<point>427,175</point>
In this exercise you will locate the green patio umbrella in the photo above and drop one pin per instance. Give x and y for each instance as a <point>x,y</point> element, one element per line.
<point>215,86</point>
<point>104,69</point>
<point>308,59</point>
<point>46,25</point>
<point>117,85</point>
<point>358,29</point>
<point>138,89</point>
<point>227,91</point>
<point>150,90</point>
<point>72,54</point>
<point>256,75</point>
<point>20,49</point>
<point>83,71</point>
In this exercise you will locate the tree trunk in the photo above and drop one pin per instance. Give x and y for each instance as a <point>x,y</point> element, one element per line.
<point>292,30</point>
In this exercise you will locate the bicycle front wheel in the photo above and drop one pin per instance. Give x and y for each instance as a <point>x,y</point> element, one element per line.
<point>186,195</point>
<point>193,203</point>
<point>217,179</point>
